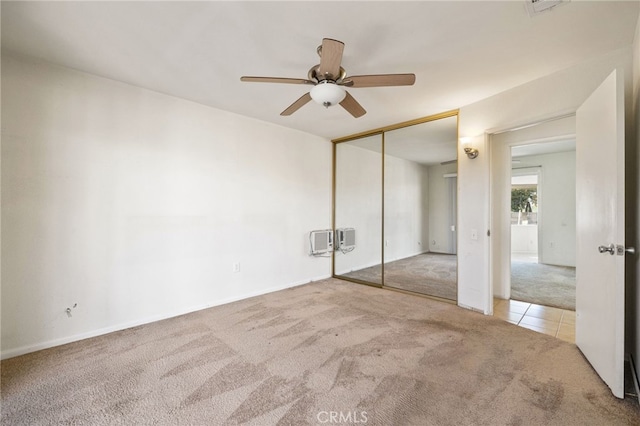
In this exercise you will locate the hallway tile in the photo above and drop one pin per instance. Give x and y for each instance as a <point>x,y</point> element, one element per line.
<point>550,327</point>
<point>569,317</point>
<point>515,306</point>
<point>509,316</point>
<point>559,323</point>
<point>545,312</point>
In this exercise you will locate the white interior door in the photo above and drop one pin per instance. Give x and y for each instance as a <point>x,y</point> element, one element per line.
<point>600,222</point>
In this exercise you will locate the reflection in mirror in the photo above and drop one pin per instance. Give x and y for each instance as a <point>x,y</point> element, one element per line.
<point>420,197</point>
<point>358,209</point>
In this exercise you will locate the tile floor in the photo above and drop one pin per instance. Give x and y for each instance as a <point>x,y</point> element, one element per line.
<point>555,322</point>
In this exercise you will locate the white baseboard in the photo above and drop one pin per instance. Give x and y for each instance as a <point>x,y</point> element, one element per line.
<point>99,332</point>
<point>471,308</point>
<point>323,277</point>
<point>10,353</point>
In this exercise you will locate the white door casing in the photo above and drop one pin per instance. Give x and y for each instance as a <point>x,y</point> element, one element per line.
<point>600,222</point>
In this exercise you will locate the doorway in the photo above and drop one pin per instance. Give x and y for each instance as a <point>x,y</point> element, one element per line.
<point>543,223</point>
<point>533,222</point>
<point>598,128</point>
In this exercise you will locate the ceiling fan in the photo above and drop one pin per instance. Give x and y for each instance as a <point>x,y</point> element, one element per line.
<point>329,80</point>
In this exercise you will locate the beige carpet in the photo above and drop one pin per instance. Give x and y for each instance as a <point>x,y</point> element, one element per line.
<point>295,356</point>
<point>542,284</point>
<point>433,274</point>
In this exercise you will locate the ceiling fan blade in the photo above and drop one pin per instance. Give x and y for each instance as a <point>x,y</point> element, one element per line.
<point>379,80</point>
<point>352,106</point>
<point>297,104</point>
<point>277,80</point>
<point>330,59</point>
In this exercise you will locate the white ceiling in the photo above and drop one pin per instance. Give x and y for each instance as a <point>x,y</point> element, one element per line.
<point>461,52</point>
<point>427,143</point>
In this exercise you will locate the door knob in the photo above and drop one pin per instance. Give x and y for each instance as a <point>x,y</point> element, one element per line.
<point>610,248</point>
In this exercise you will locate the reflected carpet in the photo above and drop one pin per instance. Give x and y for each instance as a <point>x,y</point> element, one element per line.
<point>434,274</point>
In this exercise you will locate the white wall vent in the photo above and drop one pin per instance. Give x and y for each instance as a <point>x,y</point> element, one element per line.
<point>321,242</point>
<point>535,7</point>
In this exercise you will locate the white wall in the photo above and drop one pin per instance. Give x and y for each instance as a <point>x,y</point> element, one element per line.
<point>134,205</point>
<point>406,207</point>
<point>524,239</point>
<point>359,203</point>
<point>557,206</point>
<point>473,218</point>
<point>440,234</point>
<point>550,96</point>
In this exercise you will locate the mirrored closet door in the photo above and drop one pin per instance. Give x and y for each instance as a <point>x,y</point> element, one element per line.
<point>412,247</point>
<point>358,209</point>
<point>420,191</point>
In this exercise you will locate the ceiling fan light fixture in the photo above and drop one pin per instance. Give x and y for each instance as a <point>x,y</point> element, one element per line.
<point>329,80</point>
<point>328,93</point>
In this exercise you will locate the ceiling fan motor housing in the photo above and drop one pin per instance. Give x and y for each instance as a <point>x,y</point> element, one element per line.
<point>316,76</point>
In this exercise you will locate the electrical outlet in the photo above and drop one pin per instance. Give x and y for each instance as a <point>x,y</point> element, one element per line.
<point>236,267</point>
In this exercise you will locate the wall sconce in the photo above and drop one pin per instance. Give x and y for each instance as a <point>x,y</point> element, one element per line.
<point>468,149</point>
